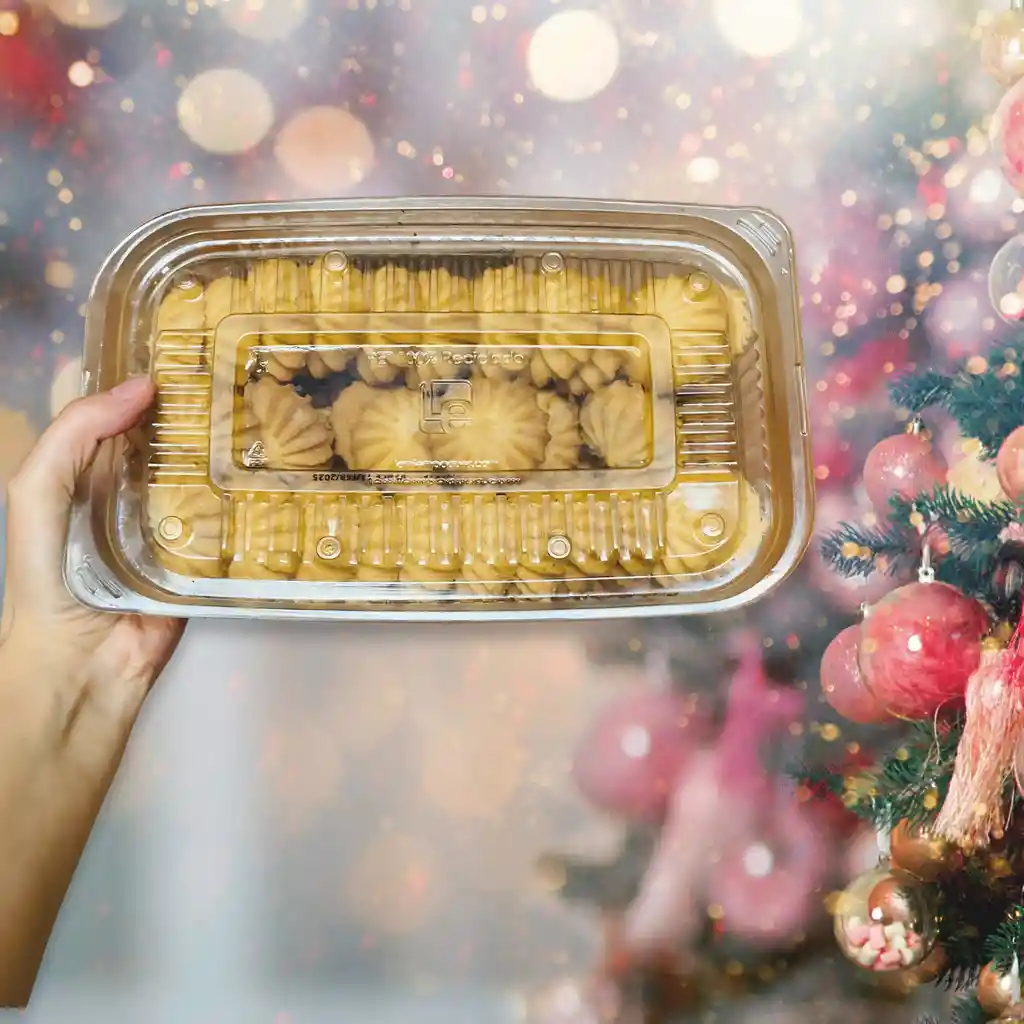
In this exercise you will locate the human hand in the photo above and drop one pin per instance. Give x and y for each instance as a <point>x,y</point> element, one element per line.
<point>72,682</point>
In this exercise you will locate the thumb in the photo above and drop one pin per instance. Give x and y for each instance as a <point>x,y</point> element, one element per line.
<point>41,492</point>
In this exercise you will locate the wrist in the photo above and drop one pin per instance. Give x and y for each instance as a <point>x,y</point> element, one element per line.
<point>50,716</point>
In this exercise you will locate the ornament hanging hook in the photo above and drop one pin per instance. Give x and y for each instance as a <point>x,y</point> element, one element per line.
<point>926,571</point>
<point>883,837</point>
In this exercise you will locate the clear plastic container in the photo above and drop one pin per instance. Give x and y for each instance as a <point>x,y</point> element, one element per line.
<point>469,407</point>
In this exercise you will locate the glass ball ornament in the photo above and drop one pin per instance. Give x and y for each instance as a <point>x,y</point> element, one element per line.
<point>885,921</point>
<point>1002,47</point>
<point>1006,281</point>
<point>904,983</point>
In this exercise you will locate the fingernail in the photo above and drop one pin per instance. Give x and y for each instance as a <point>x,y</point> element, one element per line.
<point>130,388</point>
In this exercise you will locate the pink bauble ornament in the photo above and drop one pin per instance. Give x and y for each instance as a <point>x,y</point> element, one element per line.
<point>902,466</point>
<point>919,645</point>
<point>769,885</point>
<point>843,684</point>
<point>629,762</point>
<point>1010,465</point>
<point>1007,132</point>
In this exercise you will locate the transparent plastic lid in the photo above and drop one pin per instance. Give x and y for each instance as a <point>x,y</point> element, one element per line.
<point>471,407</point>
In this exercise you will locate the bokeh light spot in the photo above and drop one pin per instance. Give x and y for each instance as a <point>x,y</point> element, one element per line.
<point>81,74</point>
<point>87,13</point>
<point>265,20</point>
<point>325,149</point>
<point>703,170</point>
<point>573,56</point>
<point>59,274</point>
<point>225,110</point>
<point>759,28</point>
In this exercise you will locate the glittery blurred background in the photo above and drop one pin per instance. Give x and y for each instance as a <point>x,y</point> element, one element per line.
<point>324,823</point>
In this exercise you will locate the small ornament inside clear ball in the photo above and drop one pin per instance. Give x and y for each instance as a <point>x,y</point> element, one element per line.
<point>1006,280</point>
<point>885,921</point>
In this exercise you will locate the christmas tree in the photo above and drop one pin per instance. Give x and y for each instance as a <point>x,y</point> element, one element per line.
<point>945,653</point>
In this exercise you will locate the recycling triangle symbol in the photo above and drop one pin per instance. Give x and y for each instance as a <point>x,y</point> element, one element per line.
<point>256,456</point>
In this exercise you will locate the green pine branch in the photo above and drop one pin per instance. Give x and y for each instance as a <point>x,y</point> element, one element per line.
<point>819,780</point>
<point>967,1010</point>
<point>914,778</point>
<point>876,549</point>
<point>1007,941</point>
<point>974,911</point>
<point>910,783</point>
<point>963,517</point>
<point>972,528</point>
<point>988,405</point>
<point>917,392</point>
